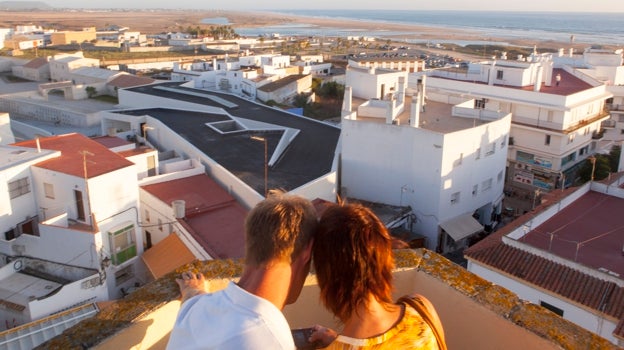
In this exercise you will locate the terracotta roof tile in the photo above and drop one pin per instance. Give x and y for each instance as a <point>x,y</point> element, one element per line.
<point>102,160</point>
<point>36,63</point>
<point>166,256</point>
<point>129,80</point>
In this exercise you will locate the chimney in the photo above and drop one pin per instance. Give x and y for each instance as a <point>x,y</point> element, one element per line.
<point>538,79</point>
<point>347,102</point>
<point>389,109</point>
<point>492,73</point>
<point>415,111</point>
<point>422,90</point>
<point>179,207</point>
<point>401,92</point>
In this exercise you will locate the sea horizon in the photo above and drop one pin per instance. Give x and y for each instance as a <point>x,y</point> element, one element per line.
<point>597,28</point>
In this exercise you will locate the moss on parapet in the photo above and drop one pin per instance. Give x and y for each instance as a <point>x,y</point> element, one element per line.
<point>504,303</point>
<point>500,301</point>
<point>122,313</point>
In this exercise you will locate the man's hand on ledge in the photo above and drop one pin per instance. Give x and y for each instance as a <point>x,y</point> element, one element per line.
<point>191,285</point>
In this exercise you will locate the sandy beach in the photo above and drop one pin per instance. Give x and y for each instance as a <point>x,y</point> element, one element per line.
<point>159,21</point>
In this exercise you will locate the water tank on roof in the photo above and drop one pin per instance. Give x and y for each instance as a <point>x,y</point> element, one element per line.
<point>179,207</point>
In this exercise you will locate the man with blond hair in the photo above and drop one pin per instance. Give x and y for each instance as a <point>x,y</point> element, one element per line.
<point>247,314</point>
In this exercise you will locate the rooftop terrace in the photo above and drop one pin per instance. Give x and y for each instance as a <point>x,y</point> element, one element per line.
<point>470,309</point>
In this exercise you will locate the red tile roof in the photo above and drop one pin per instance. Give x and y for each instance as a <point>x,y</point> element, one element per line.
<point>212,216</point>
<point>568,85</point>
<point>580,287</point>
<point>36,63</point>
<point>129,80</point>
<point>102,160</point>
<point>166,256</point>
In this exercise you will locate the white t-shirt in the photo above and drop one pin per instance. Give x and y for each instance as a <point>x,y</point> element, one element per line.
<point>230,319</point>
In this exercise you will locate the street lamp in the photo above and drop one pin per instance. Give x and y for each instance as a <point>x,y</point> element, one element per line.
<point>266,162</point>
<point>592,159</point>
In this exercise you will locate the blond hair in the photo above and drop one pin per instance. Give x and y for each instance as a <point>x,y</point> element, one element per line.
<point>278,228</point>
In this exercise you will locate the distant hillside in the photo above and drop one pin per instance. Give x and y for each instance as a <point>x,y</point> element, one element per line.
<point>23,5</point>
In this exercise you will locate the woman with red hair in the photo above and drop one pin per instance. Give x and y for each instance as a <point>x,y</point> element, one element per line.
<point>352,255</point>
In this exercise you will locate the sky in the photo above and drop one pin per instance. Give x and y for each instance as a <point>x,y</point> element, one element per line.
<point>463,5</point>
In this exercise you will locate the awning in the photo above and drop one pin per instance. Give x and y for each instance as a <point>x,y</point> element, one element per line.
<point>461,227</point>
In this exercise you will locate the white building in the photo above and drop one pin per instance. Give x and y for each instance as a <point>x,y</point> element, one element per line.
<point>81,209</point>
<point>63,65</point>
<point>242,77</point>
<point>445,162</point>
<point>557,113</point>
<point>52,253</point>
<point>565,256</point>
<point>606,67</point>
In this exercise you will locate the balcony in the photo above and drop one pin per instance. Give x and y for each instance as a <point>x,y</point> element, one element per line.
<point>470,309</point>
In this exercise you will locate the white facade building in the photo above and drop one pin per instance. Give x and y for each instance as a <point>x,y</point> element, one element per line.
<point>81,206</point>
<point>63,65</point>
<point>241,77</point>
<point>557,113</point>
<point>447,163</point>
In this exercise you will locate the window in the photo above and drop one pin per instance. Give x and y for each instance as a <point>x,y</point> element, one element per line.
<point>491,149</point>
<point>124,275</point>
<point>475,190</point>
<point>19,187</point>
<point>479,104</point>
<point>504,142</point>
<point>552,308</point>
<point>478,153</point>
<point>147,215</point>
<point>549,117</point>
<point>160,225</point>
<point>455,198</point>
<point>569,158</point>
<point>122,244</point>
<point>500,176</point>
<point>584,150</point>
<point>48,189</point>
<point>499,74</point>
<point>547,140</point>
<point>571,138</point>
<point>486,185</point>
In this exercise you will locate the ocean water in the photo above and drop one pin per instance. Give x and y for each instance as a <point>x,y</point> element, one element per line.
<point>591,28</point>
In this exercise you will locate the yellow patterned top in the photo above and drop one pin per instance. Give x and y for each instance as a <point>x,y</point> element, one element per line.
<point>412,332</point>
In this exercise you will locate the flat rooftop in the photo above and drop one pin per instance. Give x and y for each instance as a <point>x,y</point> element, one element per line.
<point>437,117</point>
<point>11,155</point>
<point>18,289</point>
<point>212,216</point>
<point>588,231</point>
<point>308,156</point>
<point>568,85</point>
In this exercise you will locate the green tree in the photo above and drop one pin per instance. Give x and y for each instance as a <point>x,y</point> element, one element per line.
<point>91,91</point>
<point>600,169</point>
<point>300,100</point>
<point>614,158</point>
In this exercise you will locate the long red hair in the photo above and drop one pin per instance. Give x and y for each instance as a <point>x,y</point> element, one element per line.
<point>353,259</point>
